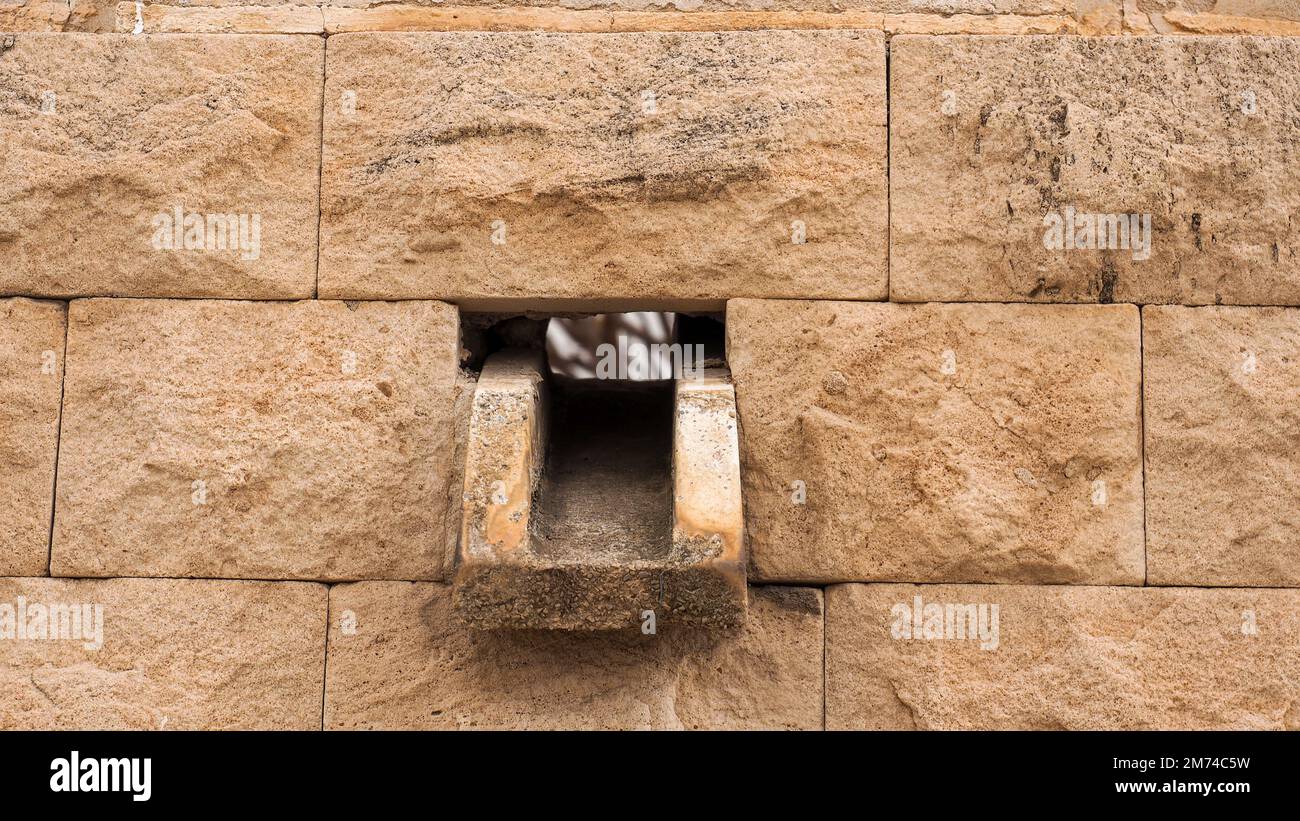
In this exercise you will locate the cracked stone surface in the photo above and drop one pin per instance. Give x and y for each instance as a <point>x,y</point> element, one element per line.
<point>107,135</point>
<point>306,440</point>
<point>604,167</point>
<point>176,654</point>
<point>991,135</point>
<point>399,658</point>
<point>1066,658</point>
<point>958,443</point>
<point>1222,445</point>
<point>31,382</point>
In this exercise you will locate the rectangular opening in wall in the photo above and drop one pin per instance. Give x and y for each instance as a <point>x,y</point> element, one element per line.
<point>599,403</point>
<point>606,492</point>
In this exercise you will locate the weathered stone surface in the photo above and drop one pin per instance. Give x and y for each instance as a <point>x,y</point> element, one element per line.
<point>666,7</point>
<point>986,24</point>
<point>1192,23</point>
<point>911,16</point>
<point>334,18</point>
<point>107,135</point>
<point>637,167</point>
<point>939,442</point>
<point>1222,417</point>
<point>399,658</point>
<point>172,654</point>
<point>991,135</point>
<point>1065,658</point>
<point>245,18</point>
<point>444,17</point>
<point>323,435</point>
<point>976,7</point>
<point>1217,16</point>
<point>31,382</point>
<point>56,15</point>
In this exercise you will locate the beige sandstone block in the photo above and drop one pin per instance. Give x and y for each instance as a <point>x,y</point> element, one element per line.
<point>985,8</point>
<point>983,24</point>
<point>442,17</point>
<point>670,7</point>
<point>1222,445</point>
<point>995,136</point>
<point>1191,23</point>
<point>960,443</point>
<point>323,436</point>
<point>1280,17</point>
<point>55,15</point>
<point>31,383</point>
<point>250,18</point>
<point>399,658</point>
<point>108,135</point>
<point>633,168</point>
<point>335,18</point>
<point>1062,658</point>
<point>172,654</point>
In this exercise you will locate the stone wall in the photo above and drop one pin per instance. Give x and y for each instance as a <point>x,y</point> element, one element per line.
<point>994,476</point>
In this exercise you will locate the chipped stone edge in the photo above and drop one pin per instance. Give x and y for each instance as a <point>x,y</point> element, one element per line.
<point>503,458</point>
<point>707,504</point>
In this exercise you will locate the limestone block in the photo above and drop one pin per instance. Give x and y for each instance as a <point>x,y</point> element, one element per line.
<point>153,654</point>
<point>398,657</point>
<point>958,443</point>
<point>1163,172</point>
<point>1222,398</point>
<point>306,440</point>
<point>1061,657</point>
<point>31,382</point>
<point>604,169</point>
<point>162,166</point>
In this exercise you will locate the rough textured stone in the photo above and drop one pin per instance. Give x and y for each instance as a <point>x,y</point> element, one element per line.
<point>1067,658</point>
<point>443,17</point>
<point>176,654</point>
<point>984,24</point>
<point>635,167</point>
<point>939,442</point>
<point>912,16</point>
<point>666,7</point>
<point>1200,133</point>
<point>1191,23</point>
<point>56,15</point>
<point>1222,445</point>
<point>1216,16</point>
<point>637,15</point>
<point>398,658</point>
<point>250,18</point>
<point>324,435</point>
<point>106,135</point>
<point>31,383</point>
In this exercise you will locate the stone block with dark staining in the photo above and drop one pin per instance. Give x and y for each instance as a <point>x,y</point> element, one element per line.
<point>678,168</point>
<point>1108,169</point>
